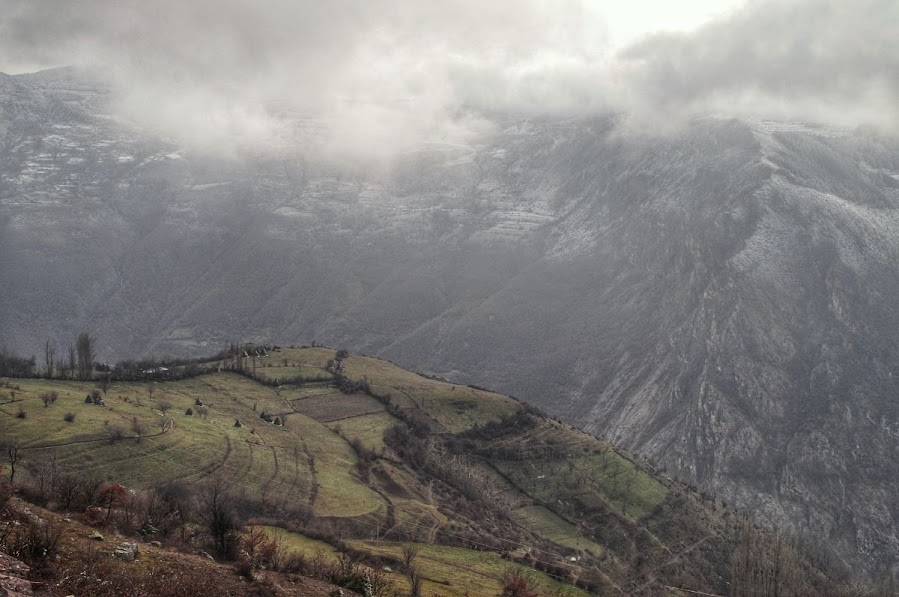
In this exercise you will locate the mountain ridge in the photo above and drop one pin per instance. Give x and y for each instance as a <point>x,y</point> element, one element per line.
<point>716,300</point>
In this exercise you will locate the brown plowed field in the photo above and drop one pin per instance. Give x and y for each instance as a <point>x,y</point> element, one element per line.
<point>333,407</point>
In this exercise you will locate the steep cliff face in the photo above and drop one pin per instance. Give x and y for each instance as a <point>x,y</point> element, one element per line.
<point>721,300</point>
<point>766,371</point>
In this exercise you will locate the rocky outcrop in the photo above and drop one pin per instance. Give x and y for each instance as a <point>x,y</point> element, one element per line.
<point>126,551</point>
<point>13,578</point>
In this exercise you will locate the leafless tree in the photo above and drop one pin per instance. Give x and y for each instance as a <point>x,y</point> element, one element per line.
<point>214,510</point>
<point>150,390</point>
<point>14,454</point>
<point>765,564</point>
<point>105,381</point>
<point>73,362</point>
<point>49,357</point>
<point>409,553</point>
<point>86,352</point>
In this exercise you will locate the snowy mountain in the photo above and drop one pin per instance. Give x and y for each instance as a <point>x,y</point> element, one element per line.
<point>721,300</point>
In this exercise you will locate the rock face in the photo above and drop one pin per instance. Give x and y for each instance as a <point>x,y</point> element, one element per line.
<point>126,551</point>
<point>12,578</point>
<point>722,301</point>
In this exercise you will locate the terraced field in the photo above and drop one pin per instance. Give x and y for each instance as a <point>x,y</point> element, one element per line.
<point>486,485</point>
<point>257,458</point>
<point>326,408</point>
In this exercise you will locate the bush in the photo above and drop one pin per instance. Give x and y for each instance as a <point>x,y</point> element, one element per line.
<point>48,398</point>
<point>69,417</point>
<point>115,433</point>
<point>517,584</point>
<point>34,542</point>
<point>22,414</point>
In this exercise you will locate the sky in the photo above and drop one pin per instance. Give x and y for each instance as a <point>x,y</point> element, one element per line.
<point>388,74</point>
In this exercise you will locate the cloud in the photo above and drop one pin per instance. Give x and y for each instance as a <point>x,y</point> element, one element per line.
<point>374,77</point>
<point>220,73</point>
<point>835,62</point>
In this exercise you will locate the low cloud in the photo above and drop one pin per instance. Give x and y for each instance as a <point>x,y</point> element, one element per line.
<point>835,62</point>
<point>377,77</point>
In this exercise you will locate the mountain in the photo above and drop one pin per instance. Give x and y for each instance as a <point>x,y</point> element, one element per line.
<point>719,300</point>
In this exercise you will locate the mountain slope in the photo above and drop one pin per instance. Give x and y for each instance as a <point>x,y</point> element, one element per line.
<point>719,301</point>
<point>383,458</point>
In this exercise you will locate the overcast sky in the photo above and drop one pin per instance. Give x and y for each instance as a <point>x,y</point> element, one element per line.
<point>394,72</point>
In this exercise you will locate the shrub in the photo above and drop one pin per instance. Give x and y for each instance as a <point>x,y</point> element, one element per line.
<point>518,584</point>
<point>115,433</point>
<point>22,414</point>
<point>34,542</point>
<point>69,417</point>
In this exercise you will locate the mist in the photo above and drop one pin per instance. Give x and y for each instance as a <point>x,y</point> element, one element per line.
<point>371,79</point>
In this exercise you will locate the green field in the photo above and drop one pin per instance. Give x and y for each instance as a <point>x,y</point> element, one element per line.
<point>549,525</point>
<point>453,571</point>
<point>257,458</point>
<point>527,487</point>
<point>297,542</point>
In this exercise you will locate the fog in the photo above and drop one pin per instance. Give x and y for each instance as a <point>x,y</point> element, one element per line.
<point>378,77</point>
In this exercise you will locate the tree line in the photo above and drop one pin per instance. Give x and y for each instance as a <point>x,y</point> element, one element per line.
<point>78,362</point>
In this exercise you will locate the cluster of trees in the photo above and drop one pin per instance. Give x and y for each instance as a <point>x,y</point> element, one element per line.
<point>79,362</point>
<point>12,365</point>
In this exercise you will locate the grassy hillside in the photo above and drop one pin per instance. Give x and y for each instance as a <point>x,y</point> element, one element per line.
<point>375,459</point>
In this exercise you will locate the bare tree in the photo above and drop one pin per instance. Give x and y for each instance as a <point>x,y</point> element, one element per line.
<point>14,454</point>
<point>164,406</point>
<point>408,556</point>
<point>105,381</point>
<point>73,361</point>
<point>218,517</point>
<point>149,394</point>
<point>765,564</point>
<point>86,355</point>
<point>49,357</point>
